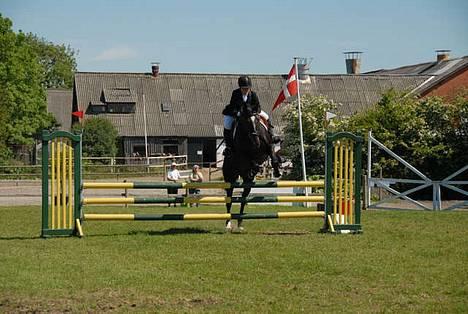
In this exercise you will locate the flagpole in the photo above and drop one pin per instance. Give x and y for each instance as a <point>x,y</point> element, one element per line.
<point>301,134</point>
<point>146,133</point>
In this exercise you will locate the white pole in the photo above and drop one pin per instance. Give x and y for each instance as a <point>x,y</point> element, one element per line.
<point>146,132</point>
<point>301,134</point>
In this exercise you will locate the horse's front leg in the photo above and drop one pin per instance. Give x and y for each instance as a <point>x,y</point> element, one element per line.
<point>245,194</point>
<point>229,193</point>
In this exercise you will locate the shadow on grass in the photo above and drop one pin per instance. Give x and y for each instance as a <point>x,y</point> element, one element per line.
<point>171,231</point>
<point>21,238</point>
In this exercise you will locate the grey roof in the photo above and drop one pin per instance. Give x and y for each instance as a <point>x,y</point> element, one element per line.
<point>427,68</point>
<point>438,70</point>
<point>198,99</point>
<point>59,102</point>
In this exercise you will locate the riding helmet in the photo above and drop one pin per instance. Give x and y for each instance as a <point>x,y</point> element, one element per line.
<point>244,81</point>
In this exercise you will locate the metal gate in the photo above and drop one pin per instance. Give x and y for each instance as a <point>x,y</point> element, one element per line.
<point>423,183</point>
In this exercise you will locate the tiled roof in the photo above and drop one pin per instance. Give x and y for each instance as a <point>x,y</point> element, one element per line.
<point>59,102</point>
<point>439,71</point>
<point>198,99</point>
<point>428,68</point>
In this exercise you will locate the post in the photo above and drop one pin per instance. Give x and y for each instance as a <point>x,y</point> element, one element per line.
<point>301,134</point>
<point>45,183</point>
<point>146,133</point>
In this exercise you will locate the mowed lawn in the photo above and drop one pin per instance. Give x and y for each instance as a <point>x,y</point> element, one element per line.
<point>403,262</point>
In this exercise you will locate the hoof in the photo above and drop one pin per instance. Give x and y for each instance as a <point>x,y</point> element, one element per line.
<point>228,227</point>
<point>276,173</point>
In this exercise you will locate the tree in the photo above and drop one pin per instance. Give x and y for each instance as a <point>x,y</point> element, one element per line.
<point>430,133</point>
<point>313,110</point>
<point>57,61</point>
<point>99,137</point>
<point>23,109</point>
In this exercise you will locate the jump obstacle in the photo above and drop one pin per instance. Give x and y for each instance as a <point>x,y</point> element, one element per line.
<point>63,208</point>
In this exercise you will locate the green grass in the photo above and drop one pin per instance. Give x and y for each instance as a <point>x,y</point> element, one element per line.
<point>403,262</point>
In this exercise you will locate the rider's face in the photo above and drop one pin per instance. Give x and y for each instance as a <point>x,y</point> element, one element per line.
<point>245,90</point>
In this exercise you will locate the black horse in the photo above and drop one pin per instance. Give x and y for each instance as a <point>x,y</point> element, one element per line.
<point>252,147</point>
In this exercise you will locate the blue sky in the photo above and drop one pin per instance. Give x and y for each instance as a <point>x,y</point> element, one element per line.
<point>244,36</point>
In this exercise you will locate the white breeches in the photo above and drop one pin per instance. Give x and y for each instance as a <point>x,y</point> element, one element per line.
<point>228,120</point>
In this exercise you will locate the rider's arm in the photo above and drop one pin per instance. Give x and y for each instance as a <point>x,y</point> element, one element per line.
<point>255,103</point>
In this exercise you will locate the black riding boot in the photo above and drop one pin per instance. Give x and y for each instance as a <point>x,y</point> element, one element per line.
<point>228,141</point>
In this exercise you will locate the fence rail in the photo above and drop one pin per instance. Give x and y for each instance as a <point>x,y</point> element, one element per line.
<point>103,166</point>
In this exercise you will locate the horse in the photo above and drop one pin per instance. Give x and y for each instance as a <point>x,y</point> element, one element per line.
<point>252,145</point>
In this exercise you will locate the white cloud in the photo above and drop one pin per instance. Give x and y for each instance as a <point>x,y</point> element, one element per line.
<point>116,53</point>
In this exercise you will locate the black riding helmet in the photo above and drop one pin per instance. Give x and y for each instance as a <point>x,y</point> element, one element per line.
<point>244,81</point>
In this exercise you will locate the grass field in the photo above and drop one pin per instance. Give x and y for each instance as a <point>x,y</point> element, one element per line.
<point>403,262</point>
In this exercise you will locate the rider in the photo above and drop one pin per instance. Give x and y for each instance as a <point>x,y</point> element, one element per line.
<point>244,98</point>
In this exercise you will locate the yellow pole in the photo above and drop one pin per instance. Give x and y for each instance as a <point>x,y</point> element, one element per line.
<point>340,191</point>
<point>330,222</point>
<point>351,181</point>
<point>346,169</point>
<point>70,185</point>
<point>335,181</point>
<point>59,186</point>
<point>52,185</point>
<point>64,183</point>
<point>300,214</point>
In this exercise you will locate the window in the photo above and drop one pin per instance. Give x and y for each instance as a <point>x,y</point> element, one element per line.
<point>171,150</point>
<point>96,108</point>
<point>120,108</point>
<point>166,107</point>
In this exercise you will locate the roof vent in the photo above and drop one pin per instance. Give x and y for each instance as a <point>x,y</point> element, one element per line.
<point>353,62</point>
<point>303,67</point>
<point>155,69</point>
<point>443,55</point>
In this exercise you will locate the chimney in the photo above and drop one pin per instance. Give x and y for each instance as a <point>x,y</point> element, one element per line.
<point>443,55</point>
<point>353,62</point>
<point>303,67</point>
<point>155,69</point>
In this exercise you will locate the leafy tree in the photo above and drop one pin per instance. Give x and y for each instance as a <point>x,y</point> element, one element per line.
<point>429,133</point>
<point>58,61</point>
<point>313,111</point>
<point>23,109</point>
<point>99,137</point>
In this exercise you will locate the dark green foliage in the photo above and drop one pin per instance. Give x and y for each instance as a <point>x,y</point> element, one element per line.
<point>28,65</point>
<point>23,109</point>
<point>429,133</point>
<point>57,61</point>
<point>99,137</point>
<point>313,119</point>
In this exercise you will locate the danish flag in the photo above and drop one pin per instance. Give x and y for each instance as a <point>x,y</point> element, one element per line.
<point>289,88</point>
<point>79,114</point>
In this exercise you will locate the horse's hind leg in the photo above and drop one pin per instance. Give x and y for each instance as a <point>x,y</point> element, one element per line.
<point>245,194</point>
<point>229,193</point>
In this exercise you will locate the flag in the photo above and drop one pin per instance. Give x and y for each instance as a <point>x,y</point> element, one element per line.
<point>329,115</point>
<point>289,88</point>
<point>79,114</point>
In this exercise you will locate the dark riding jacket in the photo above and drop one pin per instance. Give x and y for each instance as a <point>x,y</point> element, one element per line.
<point>237,103</point>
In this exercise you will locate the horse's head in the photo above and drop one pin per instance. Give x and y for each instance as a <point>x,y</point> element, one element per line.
<point>247,130</point>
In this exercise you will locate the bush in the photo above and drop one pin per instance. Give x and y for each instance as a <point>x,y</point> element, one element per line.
<point>99,137</point>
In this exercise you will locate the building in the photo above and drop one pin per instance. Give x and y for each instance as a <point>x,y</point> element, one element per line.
<point>446,76</point>
<point>59,103</point>
<point>181,112</point>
